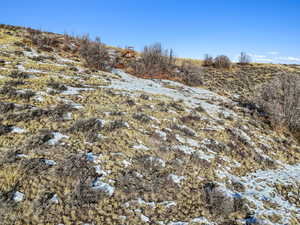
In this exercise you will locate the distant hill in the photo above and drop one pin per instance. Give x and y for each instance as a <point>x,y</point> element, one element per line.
<point>85,139</point>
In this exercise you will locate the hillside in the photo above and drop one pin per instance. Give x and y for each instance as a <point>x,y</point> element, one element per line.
<point>83,146</point>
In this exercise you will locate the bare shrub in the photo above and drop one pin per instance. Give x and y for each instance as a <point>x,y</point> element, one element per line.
<point>191,74</point>
<point>19,74</point>
<point>280,98</point>
<point>5,107</point>
<point>222,61</point>
<point>57,86</point>
<point>37,140</point>
<point>94,53</point>
<point>208,60</point>
<point>13,93</point>
<point>155,60</point>
<point>87,125</point>
<point>244,58</point>
<point>43,41</point>
<point>4,129</point>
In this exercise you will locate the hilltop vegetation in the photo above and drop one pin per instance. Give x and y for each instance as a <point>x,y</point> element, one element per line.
<point>93,134</point>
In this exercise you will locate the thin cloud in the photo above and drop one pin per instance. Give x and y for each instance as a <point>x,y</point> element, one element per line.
<point>273,53</point>
<point>289,58</point>
<point>273,57</point>
<point>264,60</point>
<point>257,56</point>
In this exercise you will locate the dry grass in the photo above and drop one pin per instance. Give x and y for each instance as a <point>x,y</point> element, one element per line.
<point>10,175</point>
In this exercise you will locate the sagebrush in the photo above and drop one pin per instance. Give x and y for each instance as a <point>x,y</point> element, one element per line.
<point>280,98</point>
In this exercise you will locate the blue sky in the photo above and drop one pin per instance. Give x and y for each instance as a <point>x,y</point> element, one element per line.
<point>268,30</point>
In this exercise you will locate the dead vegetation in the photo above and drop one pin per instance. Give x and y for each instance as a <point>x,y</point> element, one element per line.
<point>57,85</point>
<point>162,183</point>
<point>154,60</point>
<point>5,129</point>
<point>222,62</point>
<point>149,176</point>
<point>14,93</point>
<point>83,173</point>
<point>6,107</point>
<point>95,53</point>
<point>42,40</point>
<point>39,139</point>
<point>280,99</point>
<point>19,74</point>
<point>208,60</point>
<point>244,58</point>
<point>87,125</point>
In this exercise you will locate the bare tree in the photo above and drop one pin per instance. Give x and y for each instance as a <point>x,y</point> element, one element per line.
<point>208,60</point>
<point>155,60</point>
<point>94,53</point>
<point>244,58</point>
<point>280,98</point>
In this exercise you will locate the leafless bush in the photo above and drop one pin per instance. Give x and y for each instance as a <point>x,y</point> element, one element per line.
<point>280,98</point>
<point>5,107</point>
<point>208,60</point>
<point>155,60</point>
<point>94,53</point>
<point>87,125</point>
<point>19,74</point>
<point>57,86</point>
<point>41,138</point>
<point>4,129</point>
<point>14,93</point>
<point>43,41</point>
<point>222,61</point>
<point>191,74</point>
<point>244,58</point>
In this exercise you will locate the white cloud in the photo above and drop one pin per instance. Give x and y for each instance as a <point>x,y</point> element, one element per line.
<point>273,53</point>
<point>273,57</point>
<point>264,60</point>
<point>257,56</point>
<point>288,58</point>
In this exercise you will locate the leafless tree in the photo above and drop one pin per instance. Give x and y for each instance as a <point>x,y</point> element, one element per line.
<point>280,98</point>
<point>244,58</point>
<point>94,53</point>
<point>208,60</point>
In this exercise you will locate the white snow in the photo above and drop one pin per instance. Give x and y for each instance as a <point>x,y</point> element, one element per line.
<point>99,185</point>
<point>140,147</point>
<point>176,179</point>
<point>18,130</point>
<point>126,163</point>
<point>100,171</point>
<point>75,91</point>
<point>201,220</point>
<point>57,137</point>
<point>18,196</point>
<point>178,223</point>
<point>54,199</point>
<point>193,97</point>
<point>145,218</point>
<point>162,135</point>
<point>50,162</point>
<point>260,187</point>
